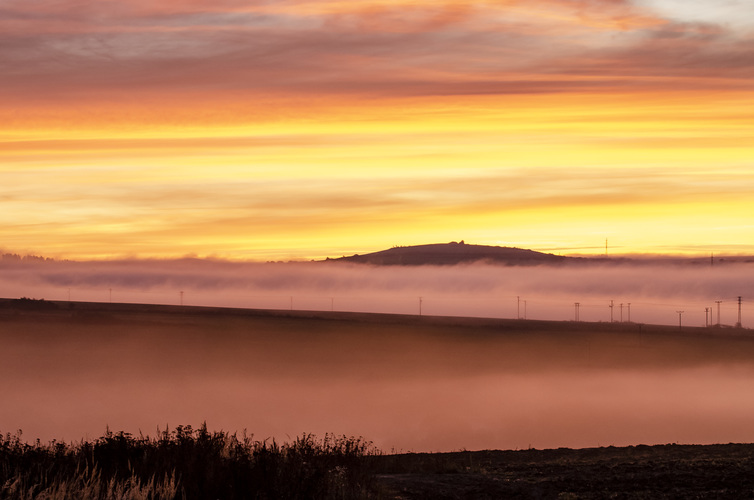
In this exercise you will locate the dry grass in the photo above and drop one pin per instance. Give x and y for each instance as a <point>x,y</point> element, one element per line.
<point>185,464</point>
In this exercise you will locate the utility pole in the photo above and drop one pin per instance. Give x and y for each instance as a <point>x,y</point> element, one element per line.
<point>518,307</point>
<point>738,324</point>
<point>621,312</point>
<point>706,316</point>
<point>611,311</point>
<point>718,302</point>
<point>576,306</point>
<point>680,313</point>
<point>629,312</point>
<point>420,306</point>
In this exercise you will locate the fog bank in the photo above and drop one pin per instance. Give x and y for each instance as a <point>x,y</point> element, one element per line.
<point>413,386</point>
<point>640,292</point>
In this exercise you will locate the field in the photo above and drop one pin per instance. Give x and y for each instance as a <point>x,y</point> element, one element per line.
<point>636,472</point>
<point>414,386</point>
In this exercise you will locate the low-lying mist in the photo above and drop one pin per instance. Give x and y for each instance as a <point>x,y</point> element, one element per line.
<point>639,291</point>
<point>411,385</point>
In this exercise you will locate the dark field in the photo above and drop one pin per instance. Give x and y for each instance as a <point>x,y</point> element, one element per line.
<point>636,472</point>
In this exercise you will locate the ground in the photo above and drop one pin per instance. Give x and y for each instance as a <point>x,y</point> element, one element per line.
<point>636,472</point>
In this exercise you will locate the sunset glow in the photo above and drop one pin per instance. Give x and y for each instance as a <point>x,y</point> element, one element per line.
<point>304,129</point>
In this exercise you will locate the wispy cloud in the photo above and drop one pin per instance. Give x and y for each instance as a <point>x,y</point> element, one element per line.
<point>359,47</point>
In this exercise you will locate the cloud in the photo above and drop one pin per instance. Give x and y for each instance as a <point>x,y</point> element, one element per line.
<point>445,48</point>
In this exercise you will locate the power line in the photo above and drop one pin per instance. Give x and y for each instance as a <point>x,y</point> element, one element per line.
<point>611,311</point>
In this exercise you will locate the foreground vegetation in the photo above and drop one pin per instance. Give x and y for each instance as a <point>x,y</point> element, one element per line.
<point>185,463</point>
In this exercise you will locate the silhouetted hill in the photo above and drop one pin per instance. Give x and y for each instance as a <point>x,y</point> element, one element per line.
<point>453,253</point>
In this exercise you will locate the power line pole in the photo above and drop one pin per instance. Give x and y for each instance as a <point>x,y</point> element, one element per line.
<point>611,311</point>
<point>420,306</point>
<point>718,302</point>
<point>621,312</point>
<point>518,307</point>
<point>738,324</point>
<point>629,312</point>
<point>680,313</point>
<point>576,306</point>
<point>706,316</point>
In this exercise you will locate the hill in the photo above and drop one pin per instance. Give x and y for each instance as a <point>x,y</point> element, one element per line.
<point>453,253</point>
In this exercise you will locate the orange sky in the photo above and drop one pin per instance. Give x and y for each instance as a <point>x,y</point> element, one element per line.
<point>310,128</point>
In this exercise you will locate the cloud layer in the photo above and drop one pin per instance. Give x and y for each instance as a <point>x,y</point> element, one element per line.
<point>76,49</point>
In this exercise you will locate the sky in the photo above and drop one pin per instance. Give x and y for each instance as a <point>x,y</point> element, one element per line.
<point>302,129</point>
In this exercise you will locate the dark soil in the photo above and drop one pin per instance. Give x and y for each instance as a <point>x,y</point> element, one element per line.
<point>635,472</point>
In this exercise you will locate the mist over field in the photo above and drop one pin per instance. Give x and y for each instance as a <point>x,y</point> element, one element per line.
<point>408,384</point>
<point>655,291</point>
